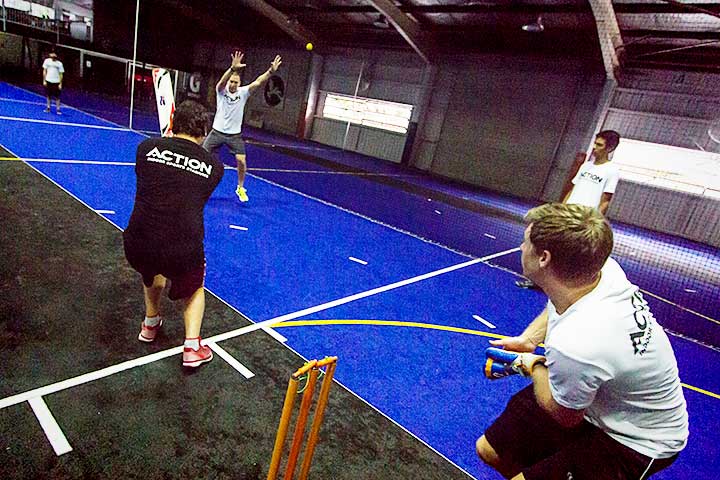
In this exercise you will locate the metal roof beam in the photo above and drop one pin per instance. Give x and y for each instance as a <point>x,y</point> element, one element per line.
<point>608,35</point>
<point>282,21</point>
<point>406,27</point>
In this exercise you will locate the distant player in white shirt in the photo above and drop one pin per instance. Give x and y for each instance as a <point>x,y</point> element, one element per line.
<point>595,181</point>
<point>53,71</point>
<point>606,400</point>
<point>227,125</point>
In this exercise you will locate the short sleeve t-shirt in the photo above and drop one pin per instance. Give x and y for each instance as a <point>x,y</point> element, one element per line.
<point>175,178</point>
<point>230,110</point>
<point>53,70</point>
<point>592,181</point>
<point>608,355</point>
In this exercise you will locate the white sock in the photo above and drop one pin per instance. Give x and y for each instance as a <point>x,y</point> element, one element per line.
<point>193,343</point>
<point>152,321</point>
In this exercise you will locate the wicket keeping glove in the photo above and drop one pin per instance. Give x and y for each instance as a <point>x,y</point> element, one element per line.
<point>501,363</point>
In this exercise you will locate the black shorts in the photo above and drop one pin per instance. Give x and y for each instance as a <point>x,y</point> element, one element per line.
<point>186,273</point>
<point>526,436</point>
<point>52,90</point>
<point>216,139</point>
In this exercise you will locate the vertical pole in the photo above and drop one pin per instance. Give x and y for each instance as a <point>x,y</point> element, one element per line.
<point>57,23</point>
<point>4,17</point>
<point>132,74</point>
<point>357,88</point>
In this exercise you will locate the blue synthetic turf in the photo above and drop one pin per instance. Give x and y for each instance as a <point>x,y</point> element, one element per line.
<point>294,255</point>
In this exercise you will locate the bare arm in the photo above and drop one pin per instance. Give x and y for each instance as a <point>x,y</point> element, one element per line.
<point>568,186</point>
<point>61,78</point>
<point>531,337</point>
<point>605,202</point>
<point>259,81</point>
<point>567,417</point>
<point>235,65</point>
<point>44,75</point>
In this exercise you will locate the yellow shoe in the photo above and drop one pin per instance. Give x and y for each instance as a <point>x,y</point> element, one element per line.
<point>242,194</point>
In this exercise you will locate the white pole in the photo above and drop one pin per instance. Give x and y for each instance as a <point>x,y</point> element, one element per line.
<point>4,17</point>
<point>357,87</point>
<point>132,74</point>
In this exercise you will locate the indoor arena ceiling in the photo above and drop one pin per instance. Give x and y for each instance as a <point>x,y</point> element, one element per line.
<point>653,33</point>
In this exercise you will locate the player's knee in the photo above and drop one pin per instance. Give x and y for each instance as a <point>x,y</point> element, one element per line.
<point>486,452</point>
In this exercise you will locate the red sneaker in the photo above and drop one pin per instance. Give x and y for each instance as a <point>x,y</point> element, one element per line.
<point>195,358</point>
<point>147,334</point>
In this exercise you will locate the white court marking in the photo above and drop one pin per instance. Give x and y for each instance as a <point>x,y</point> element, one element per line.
<point>330,172</point>
<point>109,212</point>
<point>52,430</point>
<point>490,236</point>
<point>244,371</point>
<point>72,161</point>
<point>238,227</point>
<point>106,372</point>
<point>66,124</point>
<point>357,260</point>
<point>483,321</point>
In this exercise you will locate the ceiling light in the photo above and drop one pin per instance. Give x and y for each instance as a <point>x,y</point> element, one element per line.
<point>535,27</point>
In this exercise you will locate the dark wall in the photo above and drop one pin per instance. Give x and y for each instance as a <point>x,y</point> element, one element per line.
<point>507,118</point>
<point>165,36</point>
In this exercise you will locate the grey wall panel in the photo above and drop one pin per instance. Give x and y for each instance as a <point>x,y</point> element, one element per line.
<point>328,132</point>
<point>683,214</point>
<point>380,144</point>
<point>512,115</point>
<point>705,222</point>
<point>652,207</point>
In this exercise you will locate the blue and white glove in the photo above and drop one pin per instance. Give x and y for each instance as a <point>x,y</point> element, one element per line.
<point>501,363</point>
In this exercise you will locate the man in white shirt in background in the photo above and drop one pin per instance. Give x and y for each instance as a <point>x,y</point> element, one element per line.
<point>595,181</point>
<point>53,71</point>
<point>606,400</point>
<point>227,125</point>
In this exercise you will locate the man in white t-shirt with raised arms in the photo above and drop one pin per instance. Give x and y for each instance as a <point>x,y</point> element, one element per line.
<point>227,125</point>
<point>594,183</point>
<point>606,400</point>
<point>53,72</point>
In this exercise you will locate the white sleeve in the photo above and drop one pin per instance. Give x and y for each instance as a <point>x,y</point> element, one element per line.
<point>573,383</point>
<point>612,180</point>
<point>45,63</point>
<point>61,68</point>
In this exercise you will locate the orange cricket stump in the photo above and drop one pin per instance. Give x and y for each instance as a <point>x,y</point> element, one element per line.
<point>331,363</point>
<point>313,367</point>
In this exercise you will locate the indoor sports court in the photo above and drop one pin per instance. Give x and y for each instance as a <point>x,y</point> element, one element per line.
<point>390,240</point>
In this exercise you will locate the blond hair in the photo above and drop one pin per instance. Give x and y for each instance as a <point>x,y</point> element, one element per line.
<point>579,238</point>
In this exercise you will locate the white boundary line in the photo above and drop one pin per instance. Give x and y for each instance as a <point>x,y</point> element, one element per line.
<point>66,124</point>
<point>85,162</point>
<point>357,260</point>
<point>244,371</point>
<point>105,372</point>
<point>332,172</point>
<point>483,321</point>
<point>52,430</point>
<point>76,109</point>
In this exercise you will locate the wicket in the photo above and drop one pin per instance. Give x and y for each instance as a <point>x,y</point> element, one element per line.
<point>312,369</point>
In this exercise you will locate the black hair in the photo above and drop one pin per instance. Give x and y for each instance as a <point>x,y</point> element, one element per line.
<point>190,118</point>
<point>611,137</point>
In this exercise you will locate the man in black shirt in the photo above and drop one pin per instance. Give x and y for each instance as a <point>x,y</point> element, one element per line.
<point>165,236</point>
